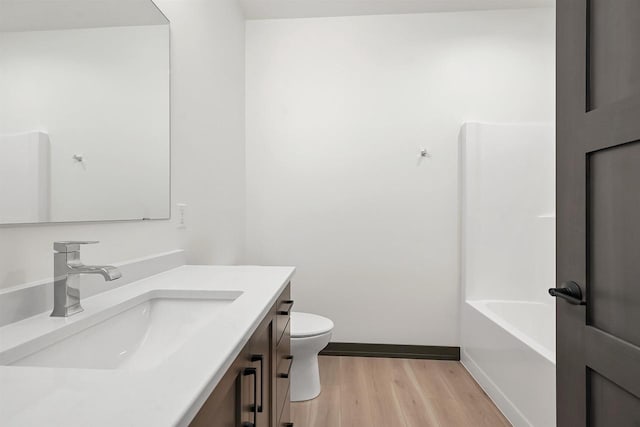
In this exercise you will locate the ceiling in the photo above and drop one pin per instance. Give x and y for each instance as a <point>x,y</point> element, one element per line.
<point>269,9</point>
<point>35,15</point>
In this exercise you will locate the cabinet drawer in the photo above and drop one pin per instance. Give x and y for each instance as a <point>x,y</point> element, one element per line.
<point>283,310</point>
<point>284,361</point>
<point>285,415</point>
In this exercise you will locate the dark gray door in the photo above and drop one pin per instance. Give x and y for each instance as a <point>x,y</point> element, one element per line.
<point>598,172</point>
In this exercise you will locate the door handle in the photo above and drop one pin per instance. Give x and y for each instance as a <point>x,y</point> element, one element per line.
<point>260,358</point>
<point>568,291</point>
<point>254,407</point>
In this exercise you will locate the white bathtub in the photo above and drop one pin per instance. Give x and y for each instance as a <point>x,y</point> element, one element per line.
<point>509,348</point>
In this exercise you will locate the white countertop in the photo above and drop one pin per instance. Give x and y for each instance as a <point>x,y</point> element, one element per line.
<point>168,395</point>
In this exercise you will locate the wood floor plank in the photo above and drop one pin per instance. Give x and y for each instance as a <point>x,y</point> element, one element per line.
<point>428,374</point>
<point>414,405</point>
<point>325,409</point>
<point>300,413</point>
<point>330,370</point>
<point>380,392</point>
<point>355,409</point>
<point>384,404</point>
<point>438,396</point>
<point>474,400</point>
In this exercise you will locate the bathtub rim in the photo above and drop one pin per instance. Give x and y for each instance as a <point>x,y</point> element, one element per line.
<point>480,306</point>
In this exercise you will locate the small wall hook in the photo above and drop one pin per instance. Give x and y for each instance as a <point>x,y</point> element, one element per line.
<point>424,153</point>
<point>78,158</point>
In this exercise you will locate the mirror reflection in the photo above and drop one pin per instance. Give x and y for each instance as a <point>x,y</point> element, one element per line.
<point>84,111</point>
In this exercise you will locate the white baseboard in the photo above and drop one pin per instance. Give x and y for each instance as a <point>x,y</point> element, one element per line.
<point>508,409</point>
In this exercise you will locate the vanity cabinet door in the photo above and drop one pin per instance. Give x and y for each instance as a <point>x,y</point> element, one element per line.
<point>284,305</point>
<point>246,395</point>
<point>284,360</point>
<point>285,416</point>
<point>227,406</point>
<point>261,358</point>
<point>232,402</point>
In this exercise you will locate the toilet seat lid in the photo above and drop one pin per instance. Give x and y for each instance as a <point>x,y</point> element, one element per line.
<point>309,325</point>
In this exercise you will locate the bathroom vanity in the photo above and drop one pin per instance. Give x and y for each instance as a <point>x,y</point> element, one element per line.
<point>191,346</point>
<point>254,392</point>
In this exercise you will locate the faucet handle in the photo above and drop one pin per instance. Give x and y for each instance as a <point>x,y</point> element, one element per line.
<point>71,246</point>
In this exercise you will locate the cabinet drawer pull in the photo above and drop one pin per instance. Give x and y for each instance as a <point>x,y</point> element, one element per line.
<point>260,358</point>
<point>286,374</point>
<point>287,424</point>
<point>287,312</point>
<point>254,407</point>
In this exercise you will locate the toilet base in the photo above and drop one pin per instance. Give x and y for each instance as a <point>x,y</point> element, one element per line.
<point>305,379</point>
<point>305,373</point>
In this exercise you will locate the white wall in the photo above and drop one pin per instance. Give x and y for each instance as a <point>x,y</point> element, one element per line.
<point>337,109</point>
<point>102,93</point>
<point>207,157</point>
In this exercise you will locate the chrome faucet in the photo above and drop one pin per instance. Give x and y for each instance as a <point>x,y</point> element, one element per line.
<point>67,269</point>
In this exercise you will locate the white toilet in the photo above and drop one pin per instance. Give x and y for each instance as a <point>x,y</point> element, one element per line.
<point>310,333</point>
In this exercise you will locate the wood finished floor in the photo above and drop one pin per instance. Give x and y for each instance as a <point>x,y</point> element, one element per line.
<point>372,392</point>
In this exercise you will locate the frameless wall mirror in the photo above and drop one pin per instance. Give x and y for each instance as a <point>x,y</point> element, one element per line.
<point>84,111</point>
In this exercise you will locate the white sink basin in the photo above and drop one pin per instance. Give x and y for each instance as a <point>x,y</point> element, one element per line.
<point>137,334</point>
